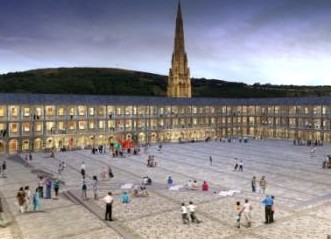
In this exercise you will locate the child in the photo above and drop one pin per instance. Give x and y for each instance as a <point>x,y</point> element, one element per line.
<point>125,198</point>
<point>238,213</point>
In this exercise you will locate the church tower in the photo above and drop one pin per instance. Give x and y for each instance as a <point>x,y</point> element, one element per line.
<point>179,82</point>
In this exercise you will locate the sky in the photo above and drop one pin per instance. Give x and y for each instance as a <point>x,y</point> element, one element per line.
<point>279,42</point>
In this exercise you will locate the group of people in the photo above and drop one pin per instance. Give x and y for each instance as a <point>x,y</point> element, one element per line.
<point>238,165</point>
<point>262,185</point>
<point>193,185</point>
<point>188,213</point>
<point>24,199</point>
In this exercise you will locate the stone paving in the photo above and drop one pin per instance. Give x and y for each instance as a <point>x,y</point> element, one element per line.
<point>298,182</point>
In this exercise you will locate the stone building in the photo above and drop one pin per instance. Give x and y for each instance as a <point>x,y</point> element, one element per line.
<point>36,122</point>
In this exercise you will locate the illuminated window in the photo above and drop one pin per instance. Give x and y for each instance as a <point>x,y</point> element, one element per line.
<point>81,110</point>
<point>38,127</point>
<point>13,111</point>
<point>60,111</point>
<point>101,124</point>
<point>2,111</point>
<point>50,125</point>
<point>26,127</point>
<point>91,111</point>
<point>91,124</point>
<point>26,111</point>
<point>49,110</point>
<point>82,124</point>
<point>13,127</point>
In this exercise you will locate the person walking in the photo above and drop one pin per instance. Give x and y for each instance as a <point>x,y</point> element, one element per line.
<point>184,214</point>
<point>109,200</point>
<point>27,197</point>
<point>95,187</point>
<point>246,211</point>
<point>235,164</point>
<point>56,186</point>
<point>21,200</point>
<point>48,188</point>
<point>210,160</point>
<point>241,166</point>
<point>36,200</point>
<point>263,185</point>
<point>191,208</point>
<point>254,184</point>
<point>4,168</point>
<point>268,202</point>
<point>83,169</point>
<point>84,188</point>
<point>238,213</point>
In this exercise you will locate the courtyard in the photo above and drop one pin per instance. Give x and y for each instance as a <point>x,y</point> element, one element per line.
<point>294,176</point>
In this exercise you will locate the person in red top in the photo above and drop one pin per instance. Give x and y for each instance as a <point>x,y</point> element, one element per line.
<point>205,186</point>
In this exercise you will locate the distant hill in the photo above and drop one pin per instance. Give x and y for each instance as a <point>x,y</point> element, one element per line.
<point>109,81</point>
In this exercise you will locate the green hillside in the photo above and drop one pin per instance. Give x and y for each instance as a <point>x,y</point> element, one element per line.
<point>108,81</point>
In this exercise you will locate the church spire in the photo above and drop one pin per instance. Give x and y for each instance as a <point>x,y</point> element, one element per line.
<point>179,82</point>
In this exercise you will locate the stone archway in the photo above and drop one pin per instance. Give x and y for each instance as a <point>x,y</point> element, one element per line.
<point>13,146</point>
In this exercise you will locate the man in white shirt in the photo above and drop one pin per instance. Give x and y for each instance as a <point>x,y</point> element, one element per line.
<point>246,210</point>
<point>184,214</point>
<point>191,208</point>
<point>108,199</point>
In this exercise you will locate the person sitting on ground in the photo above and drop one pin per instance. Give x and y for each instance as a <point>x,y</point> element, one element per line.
<point>205,186</point>
<point>189,185</point>
<point>125,198</point>
<point>147,181</point>
<point>195,185</point>
<point>170,181</point>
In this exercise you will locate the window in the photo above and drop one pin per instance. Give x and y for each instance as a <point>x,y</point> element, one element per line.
<point>26,111</point>
<point>13,127</point>
<point>82,124</point>
<point>26,127</point>
<point>91,111</point>
<point>91,124</point>
<point>13,111</point>
<point>60,111</point>
<point>49,111</point>
<point>2,111</point>
<point>101,124</point>
<point>81,110</point>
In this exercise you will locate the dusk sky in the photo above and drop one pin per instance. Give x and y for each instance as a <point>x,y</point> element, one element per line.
<point>249,41</point>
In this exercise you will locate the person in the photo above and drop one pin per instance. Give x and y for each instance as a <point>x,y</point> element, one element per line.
<point>48,188</point>
<point>189,185</point>
<point>109,200</point>
<point>235,164</point>
<point>170,181</point>
<point>205,186</point>
<point>36,200</point>
<point>41,186</point>
<point>4,168</point>
<point>147,181</point>
<point>83,169</point>
<point>1,214</point>
<point>238,213</point>
<point>84,188</point>
<point>241,166</point>
<point>56,187</point>
<point>272,209</point>
<point>246,210</point>
<point>267,201</point>
<point>210,160</point>
<point>195,185</point>
<point>30,156</point>
<point>95,187</point>
<point>110,172</point>
<point>27,197</point>
<point>263,184</point>
<point>21,200</point>
<point>125,198</point>
<point>191,208</point>
<point>184,214</point>
<point>254,184</point>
